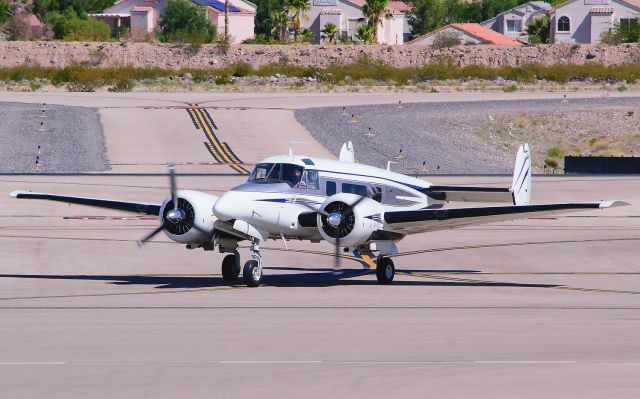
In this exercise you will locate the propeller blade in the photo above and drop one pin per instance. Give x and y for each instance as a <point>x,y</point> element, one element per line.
<point>151,235</point>
<point>172,180</point>
<point>319,211</point>
<point>349,209</point>
<point>337,270</point>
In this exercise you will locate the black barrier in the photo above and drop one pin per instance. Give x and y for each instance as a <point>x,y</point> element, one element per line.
<point>602,165</point>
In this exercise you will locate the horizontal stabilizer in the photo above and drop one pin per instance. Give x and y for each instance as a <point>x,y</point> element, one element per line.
<point>470,194</point>
<point>135,207</point>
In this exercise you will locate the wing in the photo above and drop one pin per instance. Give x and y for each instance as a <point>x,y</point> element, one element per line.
<point>411,222</point>
<point>135,207</point>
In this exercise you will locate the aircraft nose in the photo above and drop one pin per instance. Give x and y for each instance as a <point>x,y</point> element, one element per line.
<point>224,207</point>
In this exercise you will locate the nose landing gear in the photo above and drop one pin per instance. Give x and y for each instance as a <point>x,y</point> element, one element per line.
<point>252,272</point>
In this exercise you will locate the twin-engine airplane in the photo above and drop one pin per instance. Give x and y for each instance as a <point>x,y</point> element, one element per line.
<point>357,207</point>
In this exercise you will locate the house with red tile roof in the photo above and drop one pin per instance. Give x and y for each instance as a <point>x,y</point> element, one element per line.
<point>513,22</point>
<point>142,16</point>
<point>347,15</point>
<point>468,33</point>
<point>584,21</point>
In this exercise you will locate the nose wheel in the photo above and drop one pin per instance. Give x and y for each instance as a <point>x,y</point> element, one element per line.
<point>252,271</point>
<point>385,270</point>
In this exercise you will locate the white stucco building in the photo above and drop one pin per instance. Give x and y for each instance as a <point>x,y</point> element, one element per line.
<point>347,15</point>
<point>142,16</point>
<point>584,21</point>
<point>513,23</point>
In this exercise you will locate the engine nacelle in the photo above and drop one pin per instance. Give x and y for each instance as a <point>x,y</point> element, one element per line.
<point>198,210</point>
<point>352,229</point>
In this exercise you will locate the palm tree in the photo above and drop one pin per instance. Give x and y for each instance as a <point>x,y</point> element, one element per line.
<point>298,12</point>
<point>364,33</point>
<point>330,31</point>
<point>279,18</point>
<point>226,19</point>
<point>374,10</point>
<point>306,35</point>
<point>538,30</point>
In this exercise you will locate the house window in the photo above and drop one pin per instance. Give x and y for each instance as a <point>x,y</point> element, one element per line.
<point>628,24</point>
<point>514,25</point>
<point>563,24</point>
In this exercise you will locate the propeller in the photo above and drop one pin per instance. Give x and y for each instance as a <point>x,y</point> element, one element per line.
<point>176,217</point>
<point>335,219</point>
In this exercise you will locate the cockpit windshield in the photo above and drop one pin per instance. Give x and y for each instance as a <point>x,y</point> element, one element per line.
<point>277,173</point>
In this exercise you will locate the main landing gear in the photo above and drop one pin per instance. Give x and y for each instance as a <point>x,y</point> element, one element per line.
<point>385,270</point>
<point>231,267</point>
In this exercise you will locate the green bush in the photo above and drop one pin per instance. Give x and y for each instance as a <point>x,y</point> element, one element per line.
<point>184,22</point>
<point>223,80</point>
<point>552,163</point>
<point>69,25</point>
<point>4,11</point>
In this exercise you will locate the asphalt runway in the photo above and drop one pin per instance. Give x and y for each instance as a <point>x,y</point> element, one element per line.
<point>528,309</point>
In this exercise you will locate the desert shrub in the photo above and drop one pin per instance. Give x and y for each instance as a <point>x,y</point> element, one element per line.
<point>17,28</point>
<point>224,80</point>
<point>122,86</point>
<point>446,39</point>
<point>510,88</point>
<point>555,152</point>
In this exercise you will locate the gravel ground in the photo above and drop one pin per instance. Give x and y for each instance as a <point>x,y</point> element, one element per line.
<point>72,142</point>
<point>449,135</point>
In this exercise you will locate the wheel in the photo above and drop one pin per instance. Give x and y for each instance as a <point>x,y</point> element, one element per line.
<point>230,268</point>
<point>252,273</point>
<point>385,270</point>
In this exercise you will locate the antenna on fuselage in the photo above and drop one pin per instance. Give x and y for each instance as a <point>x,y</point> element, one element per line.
<point>291,143</point>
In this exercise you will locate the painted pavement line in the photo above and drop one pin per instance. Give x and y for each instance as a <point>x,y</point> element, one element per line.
<point>319,362</point>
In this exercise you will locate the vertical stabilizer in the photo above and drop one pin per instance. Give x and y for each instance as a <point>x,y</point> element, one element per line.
<point>346,153</point>
<point>521,186</point>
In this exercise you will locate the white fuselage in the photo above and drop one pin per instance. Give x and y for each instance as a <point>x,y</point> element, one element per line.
<point>272,204</point>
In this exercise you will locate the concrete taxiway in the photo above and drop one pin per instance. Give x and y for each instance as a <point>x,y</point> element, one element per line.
<point>535,308</point>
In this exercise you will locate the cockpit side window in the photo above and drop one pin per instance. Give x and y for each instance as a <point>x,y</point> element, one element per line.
<point>309,180</point>
<point>277,173</point>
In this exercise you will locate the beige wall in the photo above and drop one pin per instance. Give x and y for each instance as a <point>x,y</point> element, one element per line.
<point>142,23</point>
<point>240,26</point>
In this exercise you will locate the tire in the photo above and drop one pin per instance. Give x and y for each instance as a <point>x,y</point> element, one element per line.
<point>230,268</point>
<point>252,273</point>
<point>385,270</point>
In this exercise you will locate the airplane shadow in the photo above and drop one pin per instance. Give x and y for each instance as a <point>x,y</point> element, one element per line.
<point>317,278</point>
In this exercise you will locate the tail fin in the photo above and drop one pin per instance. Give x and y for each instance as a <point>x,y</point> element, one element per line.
<point>347,153</point>
<point>521,186</point>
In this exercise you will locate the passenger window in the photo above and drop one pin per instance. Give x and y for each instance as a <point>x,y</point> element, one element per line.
<point>331,188</point>
<point>354,189</point>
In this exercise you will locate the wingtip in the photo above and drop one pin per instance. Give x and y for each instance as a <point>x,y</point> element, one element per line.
<point>14,194</point>
<point>613,204</point>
